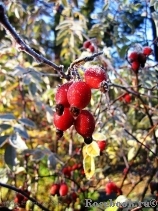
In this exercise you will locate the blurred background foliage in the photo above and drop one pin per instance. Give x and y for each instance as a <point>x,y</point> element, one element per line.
<point>57,30</point>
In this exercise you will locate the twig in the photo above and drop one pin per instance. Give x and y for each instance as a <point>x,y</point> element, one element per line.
<point>85,59</point>
<point>26,48</point>
<point>24,194</point>
<point>139,142</point>
<point>147,183</point>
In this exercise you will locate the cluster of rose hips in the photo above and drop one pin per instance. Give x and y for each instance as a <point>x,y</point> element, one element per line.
<point>138,59</point>
<point>88,45</point>
<point>69,169</point>
<point>59,189</point>
<point>71,99</point>
<point>111,187</point>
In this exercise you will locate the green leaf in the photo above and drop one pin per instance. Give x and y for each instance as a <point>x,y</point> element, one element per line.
<point>131,153</point>
<point>21,131</point>
<point>27,122</point>
<point>7,117</point>
<point>16,141</point>
<point>4,127</point>
<point>3,140</point>
<point>122,51</point>
<point>10,156</point>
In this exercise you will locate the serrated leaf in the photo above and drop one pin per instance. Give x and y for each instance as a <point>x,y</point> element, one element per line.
<point>4,126</point>
<point>7,117</point>
<point>93,149</point>
<point>21,131</point>
<point>99,136</point>
<point>27,122</point>
<point>10,156</point>
<point>131,153</point>
<point>89,166</point>
<point>3,140</point>
<point>16,141</point>
<point>33,88</point>
<point>51,161</point>
<point>37,155</point>
<point>19,71</point>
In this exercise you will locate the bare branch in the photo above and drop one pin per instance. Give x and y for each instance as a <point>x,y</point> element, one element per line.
<point>24,194</point>
<point>26,48</point>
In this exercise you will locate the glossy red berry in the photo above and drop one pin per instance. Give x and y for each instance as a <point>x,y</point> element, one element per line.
<point>64,121</point>
<point>126,98</point>
<point>85,124</point>
<point>63,190</point>
<point>102,145</point>
<point>133,56</point>
<point>86,44</point>
<point>111,187</point>
<point>73,196</point>
<point>54,189</point>
<point>61,98</point>
<point>135,66</point>
<point>79,95</point>
<point>91,48</point>
<point>67,171</point>
<point>94,76</point>
<point>147,50</point>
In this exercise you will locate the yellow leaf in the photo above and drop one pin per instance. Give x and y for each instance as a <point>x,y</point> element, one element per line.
<point>89,166</point>
<point>99,136</point>
<point>93,149</point>
<point>84,151</point>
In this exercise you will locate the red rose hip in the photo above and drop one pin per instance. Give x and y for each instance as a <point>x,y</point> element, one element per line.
<point>79,95</point>
<point>91,48</point>
<point>133,56</point>
<point>94,76</point>
<point>102,145</point>
<point>86,44</point>
<point>63,190</point>
<point>147,50</point>
<point>64,121</point>
<point>61,98</point>
<point>85,125</point>
<point>135,66</point>
<point>54,189</point>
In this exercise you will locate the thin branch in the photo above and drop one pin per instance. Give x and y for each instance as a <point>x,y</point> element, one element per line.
<point>26,48</point>
<point>85,59</point>
<point>148,182</point>
<point>140,142</point>
<point>24,194</point>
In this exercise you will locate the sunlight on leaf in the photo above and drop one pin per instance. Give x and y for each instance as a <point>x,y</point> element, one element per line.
<point>99,136</point>
<point>16,141</point>
<point>89,166</point>
<point>93,149</point>
<point>84,151</point>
